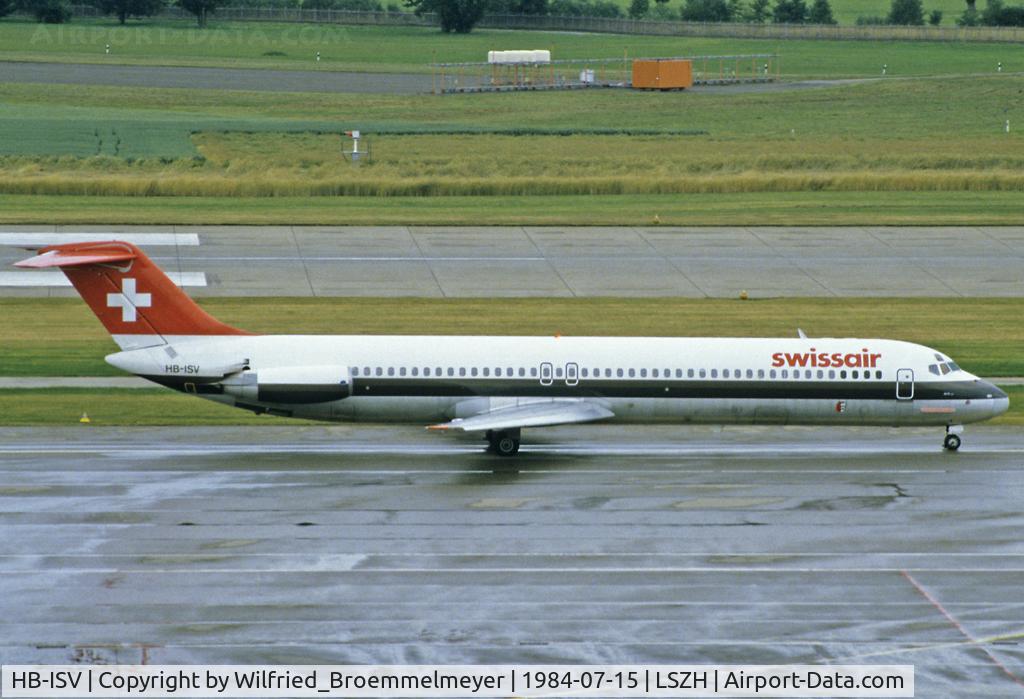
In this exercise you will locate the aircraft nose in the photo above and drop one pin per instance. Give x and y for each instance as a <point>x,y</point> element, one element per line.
<point>1000,401</point>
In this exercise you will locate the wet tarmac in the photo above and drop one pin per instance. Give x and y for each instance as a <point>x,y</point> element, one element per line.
<point>600,544</point>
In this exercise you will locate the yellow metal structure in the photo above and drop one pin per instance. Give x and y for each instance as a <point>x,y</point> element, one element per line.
<point>670,74</point>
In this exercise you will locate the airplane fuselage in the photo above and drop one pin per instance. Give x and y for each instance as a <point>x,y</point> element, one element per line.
<point>649,379</point>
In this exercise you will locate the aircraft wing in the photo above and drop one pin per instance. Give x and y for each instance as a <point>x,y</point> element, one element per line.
<point>539,414</point>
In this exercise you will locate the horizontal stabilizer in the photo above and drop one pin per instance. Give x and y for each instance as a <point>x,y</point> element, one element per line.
<point>539,414</point>
<point>75,258</point>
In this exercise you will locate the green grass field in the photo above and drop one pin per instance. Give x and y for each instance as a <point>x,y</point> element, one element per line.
<point>412,49</point>
<point>754,209</point>
<point>60,337</point>
<point>876,138</point>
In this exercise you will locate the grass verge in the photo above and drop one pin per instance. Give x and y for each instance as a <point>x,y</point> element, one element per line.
<point>754,209</point>
<point>412,49</point>
<point>60,337</point>
<point>143,407</point>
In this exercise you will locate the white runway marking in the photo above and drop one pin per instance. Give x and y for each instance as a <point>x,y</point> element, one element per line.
<point>57,279</point>
<point>41,239</point>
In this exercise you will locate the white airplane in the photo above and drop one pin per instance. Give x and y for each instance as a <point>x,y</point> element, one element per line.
<point>499,385</point>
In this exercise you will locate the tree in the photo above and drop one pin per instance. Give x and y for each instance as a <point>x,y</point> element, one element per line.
<point>935,18</point>
<point>459,16</point>
<point>906,12</point>
<point>789,12</point>
<point>6,7</point>
<point>202,9</point>
<point>639,8</point>
<point>706,11</point>
<point>821,13</point>
<point>129,8</point>
<point>758,12</point>
<point>48,11</point>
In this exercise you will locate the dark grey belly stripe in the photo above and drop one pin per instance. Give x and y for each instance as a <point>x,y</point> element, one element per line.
<point>725,388</point>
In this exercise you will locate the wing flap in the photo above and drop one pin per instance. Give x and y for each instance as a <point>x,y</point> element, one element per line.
<point>540,414</point>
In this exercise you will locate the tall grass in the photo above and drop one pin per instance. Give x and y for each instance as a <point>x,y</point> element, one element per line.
<point>272,186</point>
<point>310,165</point>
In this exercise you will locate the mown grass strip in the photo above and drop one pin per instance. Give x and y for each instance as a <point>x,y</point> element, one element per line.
<point>144,407</point>
<point>749,209</point>
<point>60,337</point>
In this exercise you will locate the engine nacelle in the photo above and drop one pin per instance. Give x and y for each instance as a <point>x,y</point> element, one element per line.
<point>293,384</point>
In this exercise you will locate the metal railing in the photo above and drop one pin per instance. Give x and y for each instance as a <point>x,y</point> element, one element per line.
<point>611,25</point>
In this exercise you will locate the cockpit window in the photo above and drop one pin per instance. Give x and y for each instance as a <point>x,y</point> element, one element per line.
<point>954,366</point>
<point>934,368</point>
<point>944,368</point>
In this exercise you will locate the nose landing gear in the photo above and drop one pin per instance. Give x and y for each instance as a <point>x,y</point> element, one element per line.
<point>504,442</point>
<point>952,440</point>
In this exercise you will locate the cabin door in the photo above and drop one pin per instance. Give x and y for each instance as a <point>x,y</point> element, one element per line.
<point>905,384</point>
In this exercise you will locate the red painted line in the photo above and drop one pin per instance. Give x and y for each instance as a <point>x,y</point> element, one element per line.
<point>960,627</point>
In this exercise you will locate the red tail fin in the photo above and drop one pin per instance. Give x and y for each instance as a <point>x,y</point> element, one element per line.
<point>131,296</point>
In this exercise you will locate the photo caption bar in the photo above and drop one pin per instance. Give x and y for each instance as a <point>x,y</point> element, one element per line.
<point>414,681</point>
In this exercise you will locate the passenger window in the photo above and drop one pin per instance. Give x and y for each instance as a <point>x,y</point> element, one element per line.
<point>643,373</point>
<point>558,372</point>
<point>619,373</point>
<point>583,372</point>
<point>401,371</point>
<point>821,373</point>
<point>522,371</point>
<point>380,371</point>
<point>703,373</point>
<point>632,373</point>
<point>771,373</point>
<point>853,374</point>
<point>533,372</point>
<point>832,374</point>
<point>415,371</point>
<point>654,373</point>
<point>437,371</point>
<point>391,371</point>
<point>366,371</point>
<point>725,374</point>
<point>808,374</point>
<point>689,373</point>
<point>714,373</point>
<point>472,371</point>
<point>785,373</point>
<point>487,371</point>
<point>878,374</point>
<point>679,373</point>
<point>462,371</point>
<point>750,373</point>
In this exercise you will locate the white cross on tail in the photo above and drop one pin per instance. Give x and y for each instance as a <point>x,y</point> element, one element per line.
<point>129,300</point>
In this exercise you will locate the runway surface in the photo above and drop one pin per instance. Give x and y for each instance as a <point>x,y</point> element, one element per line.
<point>599,545</point>
<point>566,261</point>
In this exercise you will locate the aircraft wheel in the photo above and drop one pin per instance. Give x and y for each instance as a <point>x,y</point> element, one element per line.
<point>951,442</point>
<point>507,446</point>
<point>503,443</point>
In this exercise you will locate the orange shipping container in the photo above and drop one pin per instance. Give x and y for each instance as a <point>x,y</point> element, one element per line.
<point>662,74</point>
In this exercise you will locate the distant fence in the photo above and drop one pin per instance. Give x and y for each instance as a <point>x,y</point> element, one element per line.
<point>607,25</point>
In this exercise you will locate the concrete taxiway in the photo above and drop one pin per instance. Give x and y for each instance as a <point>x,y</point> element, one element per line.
<point>600,544</point>
<point>570,261</point>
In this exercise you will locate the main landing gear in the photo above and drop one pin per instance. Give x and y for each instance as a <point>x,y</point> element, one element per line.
<point>503,443</point>
<point>952,440</point>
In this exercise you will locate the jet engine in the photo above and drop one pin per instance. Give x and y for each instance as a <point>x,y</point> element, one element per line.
<point>293,384</point>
